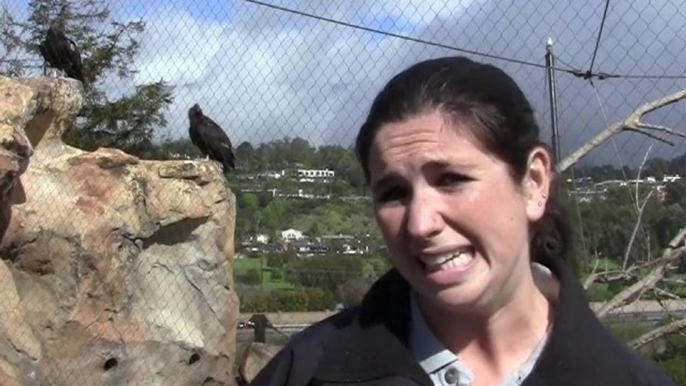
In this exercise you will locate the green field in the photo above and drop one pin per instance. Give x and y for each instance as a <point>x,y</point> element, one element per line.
<point>242,266</point>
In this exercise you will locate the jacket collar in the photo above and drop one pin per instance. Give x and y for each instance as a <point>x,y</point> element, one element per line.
<point>374,344</point>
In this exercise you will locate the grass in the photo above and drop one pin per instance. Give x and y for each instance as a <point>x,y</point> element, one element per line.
<point>337,218</point>
<point>247,263</point>
<point>242,266</point>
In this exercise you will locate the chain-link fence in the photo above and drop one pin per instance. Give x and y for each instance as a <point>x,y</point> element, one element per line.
<point>123,276</point>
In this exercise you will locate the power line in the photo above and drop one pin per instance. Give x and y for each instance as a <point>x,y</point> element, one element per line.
<point>578,73</point>
<point>630,76</point>
<point>600,33</point>
<point>569,66</point>
<point>604,75</point>
<point>399,36</point>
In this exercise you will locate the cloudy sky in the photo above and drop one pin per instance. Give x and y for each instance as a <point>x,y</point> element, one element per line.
<point>263,73</point>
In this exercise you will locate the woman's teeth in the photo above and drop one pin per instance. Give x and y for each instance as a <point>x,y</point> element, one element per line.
<point>449,261</point>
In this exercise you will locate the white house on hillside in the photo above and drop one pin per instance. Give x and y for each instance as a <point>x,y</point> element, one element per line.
<point>315,173</point>
<point>673,178</point>
<point>292,234</point>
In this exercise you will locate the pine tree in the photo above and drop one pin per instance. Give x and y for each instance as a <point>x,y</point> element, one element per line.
<point>108,48</point>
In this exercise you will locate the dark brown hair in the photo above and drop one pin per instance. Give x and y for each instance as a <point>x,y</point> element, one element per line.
<point>499,117</point>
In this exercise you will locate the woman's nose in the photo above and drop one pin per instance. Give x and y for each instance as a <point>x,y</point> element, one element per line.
<point>424,218</point>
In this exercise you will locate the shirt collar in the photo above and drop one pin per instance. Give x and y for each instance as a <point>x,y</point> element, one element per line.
<point>431,353</point>
<point>426,348</point>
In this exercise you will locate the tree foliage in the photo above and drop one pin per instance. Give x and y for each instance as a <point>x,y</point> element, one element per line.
<point>297,299</point>
<point>294,153</point>
<point>326,272</point>
<point>607,223</point>
<point>108,48</point>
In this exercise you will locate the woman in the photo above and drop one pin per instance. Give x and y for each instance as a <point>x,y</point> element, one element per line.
<point>480,293</point>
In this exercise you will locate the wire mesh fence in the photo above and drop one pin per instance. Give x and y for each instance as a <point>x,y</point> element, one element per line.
<point>122,277</point>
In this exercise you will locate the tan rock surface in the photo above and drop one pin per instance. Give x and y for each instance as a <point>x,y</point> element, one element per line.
<point>7,375</point>
<point>123,266</point>
<point>13,323</point>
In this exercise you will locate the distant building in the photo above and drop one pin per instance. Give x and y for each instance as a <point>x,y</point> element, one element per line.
<point>292,234</point>
<point>581,181</point>
<point>353,249</point>
<point>271,174</point>
<point>673,178</point>
<point>308,248</point>
<point>315,173</point>
<point>258,238</point>
<point>610,183</point>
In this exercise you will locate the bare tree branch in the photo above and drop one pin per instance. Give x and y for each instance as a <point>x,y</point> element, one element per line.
<point>666,293</point>
<point>613,275</point>
<point>637,226</point>
<point>638,175</point>
<point>625,273</point>
<point>669,255</point>
<point>630,123</point>
<point>675,248</point>
<point>639,209</point>
<point>658,333</point>
<point>593,276</point>
<point>663,129</point>
<point>649,134</point>
<point>677,281</point>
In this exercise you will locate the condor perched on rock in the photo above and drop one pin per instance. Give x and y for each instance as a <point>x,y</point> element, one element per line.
<point>210,138</point>
<point>61,53</point>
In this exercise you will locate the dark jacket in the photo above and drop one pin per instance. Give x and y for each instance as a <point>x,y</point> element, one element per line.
<point>367,345</point>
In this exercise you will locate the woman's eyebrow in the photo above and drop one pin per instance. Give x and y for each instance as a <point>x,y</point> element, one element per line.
<point>459,165</point>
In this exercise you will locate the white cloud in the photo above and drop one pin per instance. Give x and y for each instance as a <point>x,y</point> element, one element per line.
<point>177,48</point>
<point>264,74</point>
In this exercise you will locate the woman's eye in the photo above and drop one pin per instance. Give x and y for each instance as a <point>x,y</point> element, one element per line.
<point>451,179</point>
<point>391,194</point>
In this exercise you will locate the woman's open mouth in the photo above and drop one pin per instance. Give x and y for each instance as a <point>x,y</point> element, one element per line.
<point>459,259</point>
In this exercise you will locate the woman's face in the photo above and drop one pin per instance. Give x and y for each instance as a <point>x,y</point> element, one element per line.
<point>455,222</point>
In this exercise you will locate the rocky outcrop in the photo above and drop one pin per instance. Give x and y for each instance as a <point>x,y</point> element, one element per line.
<point>114,270</point>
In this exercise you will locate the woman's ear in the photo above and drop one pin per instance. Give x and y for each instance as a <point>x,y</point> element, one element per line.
<point>537,181</point>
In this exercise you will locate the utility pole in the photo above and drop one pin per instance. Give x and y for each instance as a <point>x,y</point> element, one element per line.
<point>552,92</point>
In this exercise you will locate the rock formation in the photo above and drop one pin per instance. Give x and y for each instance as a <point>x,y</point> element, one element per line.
<point>114,270</point>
